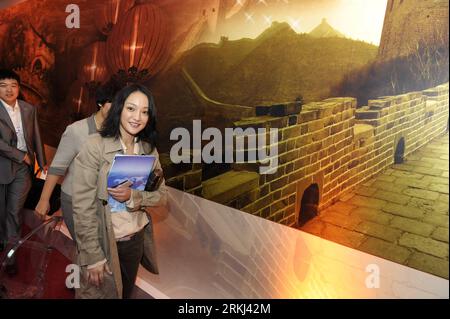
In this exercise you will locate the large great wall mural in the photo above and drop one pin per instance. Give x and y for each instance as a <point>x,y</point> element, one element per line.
<point>325,150</point>
<point>348,106</point>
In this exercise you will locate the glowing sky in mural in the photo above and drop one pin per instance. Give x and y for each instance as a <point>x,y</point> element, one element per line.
<point>357,19</point>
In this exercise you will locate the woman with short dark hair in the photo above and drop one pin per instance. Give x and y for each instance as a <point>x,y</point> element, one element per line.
<point>112,244</point>
<point>112,125</point>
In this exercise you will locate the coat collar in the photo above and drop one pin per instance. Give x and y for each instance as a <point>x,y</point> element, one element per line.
<point>113,145</point>
<point>92,128</point>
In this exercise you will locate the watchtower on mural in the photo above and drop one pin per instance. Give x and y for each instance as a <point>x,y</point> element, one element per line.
<point>410,23</point>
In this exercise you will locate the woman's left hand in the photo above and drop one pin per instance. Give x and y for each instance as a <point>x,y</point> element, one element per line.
<point>121,193</point>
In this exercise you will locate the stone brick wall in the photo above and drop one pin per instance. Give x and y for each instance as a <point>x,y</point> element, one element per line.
<point>331,144</point>
<point>185,177</point>
<point>314,148</point>
<point>409,22</point>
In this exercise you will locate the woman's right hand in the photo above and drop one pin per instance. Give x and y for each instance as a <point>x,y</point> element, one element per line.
<point>42,208</point>
<point>95,275</point>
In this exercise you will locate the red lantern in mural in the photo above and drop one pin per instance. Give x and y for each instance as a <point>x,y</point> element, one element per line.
<point>93,64</point>
<point>80,101</point>
<point>110,14</point>
<point>136,48</point>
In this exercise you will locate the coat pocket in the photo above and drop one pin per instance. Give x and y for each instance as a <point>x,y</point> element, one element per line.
<point>107,289</point>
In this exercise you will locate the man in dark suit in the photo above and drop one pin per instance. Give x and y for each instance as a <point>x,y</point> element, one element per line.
<point>20,145</point>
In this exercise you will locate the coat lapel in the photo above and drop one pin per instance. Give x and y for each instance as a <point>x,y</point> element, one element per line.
<point>24,114</point>
<point>112,146</point>
<point>144,148</point>
<point>4,115</point>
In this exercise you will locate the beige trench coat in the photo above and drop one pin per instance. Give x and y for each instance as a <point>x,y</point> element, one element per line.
<point>92,218</point>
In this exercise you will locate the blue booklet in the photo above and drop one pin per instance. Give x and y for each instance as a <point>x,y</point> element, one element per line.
<point>133,168</point>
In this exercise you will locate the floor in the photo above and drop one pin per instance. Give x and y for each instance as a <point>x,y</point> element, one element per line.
<point>401,215</point>
<point>30,260</point>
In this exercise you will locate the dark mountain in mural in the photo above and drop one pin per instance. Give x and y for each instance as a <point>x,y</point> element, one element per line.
<point>325,30</point>
<point>277,66</point>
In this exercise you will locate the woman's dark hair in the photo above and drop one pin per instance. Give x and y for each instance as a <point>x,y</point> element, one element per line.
<point>111,125</point>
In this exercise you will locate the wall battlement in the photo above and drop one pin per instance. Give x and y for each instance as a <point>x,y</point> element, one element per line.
<point>326,149</point>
